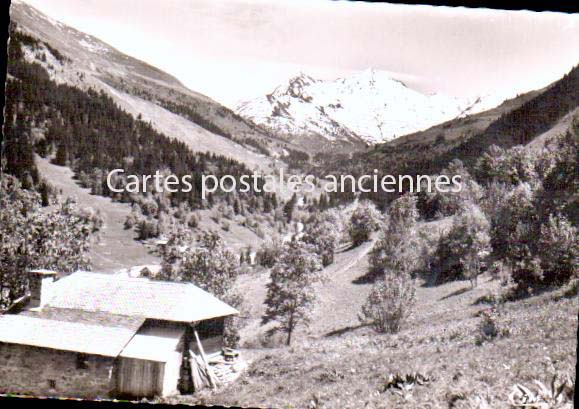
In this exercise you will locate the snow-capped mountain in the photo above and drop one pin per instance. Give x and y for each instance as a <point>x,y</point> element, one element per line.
<point>368,107</point>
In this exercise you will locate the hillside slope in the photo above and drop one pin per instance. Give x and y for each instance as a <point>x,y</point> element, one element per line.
<point>523,124</point>
<point>81,60</point>
<point>336,362</point>
<point>115,247</point>
<point>351,370</point>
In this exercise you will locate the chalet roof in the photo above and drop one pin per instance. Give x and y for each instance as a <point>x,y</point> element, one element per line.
<point>86,317</point>
<point>63,335</point>
<point>115,294</point>
<point>154,344</point>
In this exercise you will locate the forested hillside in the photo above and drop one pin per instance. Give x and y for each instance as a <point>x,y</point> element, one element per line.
<point>94,63</point>
<point>521,125</point>
<point>87,131</point>
<point>515,122</point>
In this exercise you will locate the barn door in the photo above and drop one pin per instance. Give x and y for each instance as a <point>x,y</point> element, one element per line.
<point>140,378</point>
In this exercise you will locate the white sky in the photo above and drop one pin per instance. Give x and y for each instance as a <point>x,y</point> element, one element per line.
<point>232,50</point>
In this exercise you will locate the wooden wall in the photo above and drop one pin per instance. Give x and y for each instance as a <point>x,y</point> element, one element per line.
<point>139,378</point>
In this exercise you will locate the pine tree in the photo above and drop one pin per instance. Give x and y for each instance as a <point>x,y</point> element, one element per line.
<point>61,155</point>
<point>288,208</point>
<point>396,252</point>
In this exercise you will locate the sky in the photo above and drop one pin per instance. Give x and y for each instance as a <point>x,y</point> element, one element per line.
<point>234,50</point>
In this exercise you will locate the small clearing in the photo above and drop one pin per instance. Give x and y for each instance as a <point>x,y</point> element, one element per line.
<point>115,247</point>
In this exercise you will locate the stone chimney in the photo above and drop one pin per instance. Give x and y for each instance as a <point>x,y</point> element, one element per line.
<point>39,285</point>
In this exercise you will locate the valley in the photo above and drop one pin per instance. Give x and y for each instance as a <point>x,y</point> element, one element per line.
<point>370,299</point>
<point>142,89</point>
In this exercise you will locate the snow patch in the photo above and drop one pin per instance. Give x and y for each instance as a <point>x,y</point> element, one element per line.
<point>368,106</point>
<point>93,48</point>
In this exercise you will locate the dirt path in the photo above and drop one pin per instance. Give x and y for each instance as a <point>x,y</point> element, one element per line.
<point>339,299</point>
<point>342,296</point>
<point>116,247</point>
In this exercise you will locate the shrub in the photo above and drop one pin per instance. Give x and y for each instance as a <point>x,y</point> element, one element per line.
<point>501,272</point>
<point>269,252</point>
<point>147,228</point>
<point>260,233</point>
<point>437,204</point>
<point>389,303</point>
<point>490,327</point>
<point>488,167</point>
<point>323,233</point>
<point>193,221</point>
<point>561,181</point>
<point>146,273</point>
<point>234,323</point>
<point>527,275</point>
<point>397,250</point>
<point>149,207</point>
<point>514,166</point>
<point>460,251</point>
<point>403,214</point>
<point>559,250</point>
<point>494,198</point>
<point>130,221</point>
<point>514,224</point>
<point>364,221</point>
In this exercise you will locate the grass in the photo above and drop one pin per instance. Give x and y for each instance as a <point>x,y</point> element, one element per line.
<point>116,248</point>
<point>337,362</point>
<point>350,370</point>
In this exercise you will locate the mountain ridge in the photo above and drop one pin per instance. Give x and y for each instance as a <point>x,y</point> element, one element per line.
<point>366,108</point>
<point>528,120</point>
<point>79,59</point>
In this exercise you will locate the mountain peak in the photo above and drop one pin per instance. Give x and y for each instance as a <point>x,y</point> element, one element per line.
<point>379,79</point>
<point>369,75</point>
<point>369,106</point>
<point>300,81</point>
<point>302,77</point>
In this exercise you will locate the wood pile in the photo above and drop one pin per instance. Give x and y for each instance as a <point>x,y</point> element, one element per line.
<point>215,370</point>
<point>227,366</point>
<point>199,374</point>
